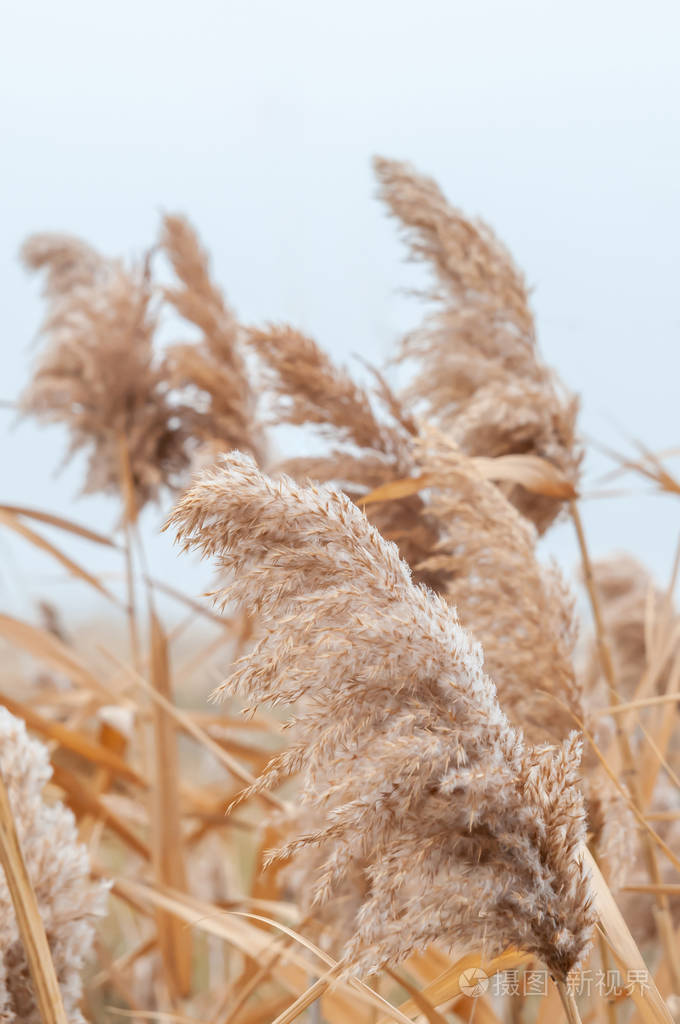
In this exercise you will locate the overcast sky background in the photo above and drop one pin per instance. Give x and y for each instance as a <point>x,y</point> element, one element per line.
<point>559,124</point>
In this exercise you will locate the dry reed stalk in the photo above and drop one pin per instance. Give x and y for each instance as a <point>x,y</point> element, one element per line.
<point>418,784</point>
<point>621,944</point>
<point>568,1002</point>
<point>643,629</point>
<point>167,840</point>
<point>664,925</point>
<point>650,466</point>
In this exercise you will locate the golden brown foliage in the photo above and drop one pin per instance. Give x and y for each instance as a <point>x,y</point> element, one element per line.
<point>429,806</point>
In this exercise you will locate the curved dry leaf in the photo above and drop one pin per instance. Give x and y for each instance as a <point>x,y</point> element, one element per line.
<point>62,524</point>
<point>534,473</point>
<point>396,489</point>
<point>447,985</point>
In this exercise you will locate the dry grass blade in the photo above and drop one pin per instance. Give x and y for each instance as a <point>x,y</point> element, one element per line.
<point>396,489</point>
<point>193,729</point>
<point>42,645</point>
<point>14,523</point>
<point>253,941</point>
<point>667,887</point>
<point>63,524</point>
<point>84,801</point>
<point>314,992</point>
<point>74,740</point>
<point>159,1015</point>
<point>624,949</point>
<point>447,986</point>
<point>321,985</point>
<point>649,465</point>
<point>166,827</point>
<point>423,1004</point>
<point>32,931</point>
<point>532,472</point>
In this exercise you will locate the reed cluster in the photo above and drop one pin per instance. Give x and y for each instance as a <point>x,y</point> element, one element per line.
<point>431,764</point>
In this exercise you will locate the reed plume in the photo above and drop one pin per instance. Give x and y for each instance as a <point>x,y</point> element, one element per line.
<point>369,434</point>
<point>521,611</point>
<point>411,773</point>
<point>480,378</point>
<point>59,871</point>
<point>218,402</point>
<point>464,538</point>
<point>98,374</point>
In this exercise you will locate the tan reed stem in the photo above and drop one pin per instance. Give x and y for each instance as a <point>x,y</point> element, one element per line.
<point>31,928</point>
<point>569,1003</point>
<point>606,965</point>
<point>129,518</point>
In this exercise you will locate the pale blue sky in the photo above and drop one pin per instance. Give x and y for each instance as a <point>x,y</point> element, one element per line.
<point>559,124</point>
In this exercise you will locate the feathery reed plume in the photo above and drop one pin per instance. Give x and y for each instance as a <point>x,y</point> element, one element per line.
<point>411,771</point>
<point>370,432</point>
<point>59,871</point>
<point>211,374</point>
<point>309,388</point>
<point>519,610</point>
<point>481,377</point>
<point>69,262</point>
<point>464,539</point>
<point>522,613</point>
<point>98,375</point>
